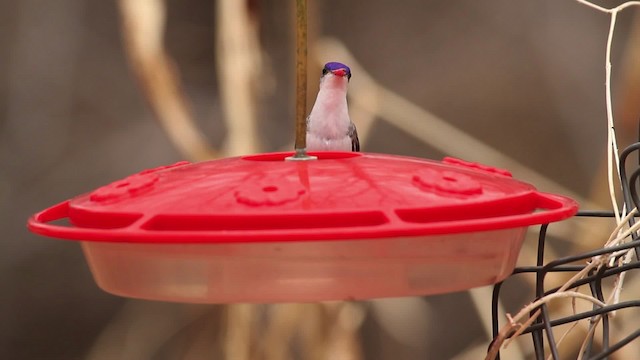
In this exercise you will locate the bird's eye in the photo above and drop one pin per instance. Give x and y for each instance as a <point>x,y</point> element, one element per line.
<point>348,76</point>
<point>325,71</point>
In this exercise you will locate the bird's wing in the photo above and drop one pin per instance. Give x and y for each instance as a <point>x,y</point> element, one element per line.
<point>353,134</point>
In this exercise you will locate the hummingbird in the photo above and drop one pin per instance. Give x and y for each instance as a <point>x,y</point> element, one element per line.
<point>329,127</point>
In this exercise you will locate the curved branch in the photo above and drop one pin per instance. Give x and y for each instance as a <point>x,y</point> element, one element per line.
<point>142,28</point>
<point>239,63</point>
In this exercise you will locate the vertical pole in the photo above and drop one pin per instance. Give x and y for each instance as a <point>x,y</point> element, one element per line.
<point>301,83</point>
<point>301,78</point>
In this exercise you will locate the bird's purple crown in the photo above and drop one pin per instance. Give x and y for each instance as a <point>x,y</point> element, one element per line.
<point>336,65</point>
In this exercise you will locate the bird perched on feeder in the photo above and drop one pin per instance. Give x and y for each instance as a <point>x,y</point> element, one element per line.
<point>328,125</point>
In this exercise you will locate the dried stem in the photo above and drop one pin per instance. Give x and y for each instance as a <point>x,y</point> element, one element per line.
<point>612,146</point>
<point>513,324</point>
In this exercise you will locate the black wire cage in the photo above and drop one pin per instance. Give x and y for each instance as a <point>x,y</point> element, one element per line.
<point>541,329</point>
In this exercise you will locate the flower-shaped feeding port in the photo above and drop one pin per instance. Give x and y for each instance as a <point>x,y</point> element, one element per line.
<point>262,229</point>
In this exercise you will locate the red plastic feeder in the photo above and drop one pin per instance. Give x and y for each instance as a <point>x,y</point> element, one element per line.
<point>262,229</point>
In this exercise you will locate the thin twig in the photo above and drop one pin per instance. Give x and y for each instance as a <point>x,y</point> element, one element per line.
<point>588,337</point>
<point>565,334</point>
<point>617,232</point>
<point>512,322</point>
<point>481,298</point>
<point>562,290</point>
<point>579,275</point>
<point>612,146</point>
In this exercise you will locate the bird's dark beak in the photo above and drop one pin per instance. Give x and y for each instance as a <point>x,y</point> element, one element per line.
<point>339,72</point>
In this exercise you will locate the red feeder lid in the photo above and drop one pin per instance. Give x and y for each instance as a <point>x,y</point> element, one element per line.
<point>263,198</point>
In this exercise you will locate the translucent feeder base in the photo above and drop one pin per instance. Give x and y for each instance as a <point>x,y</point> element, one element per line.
<point>304,271</point>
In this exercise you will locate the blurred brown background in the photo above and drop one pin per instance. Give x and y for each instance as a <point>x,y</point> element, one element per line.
<point>525,77</point>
